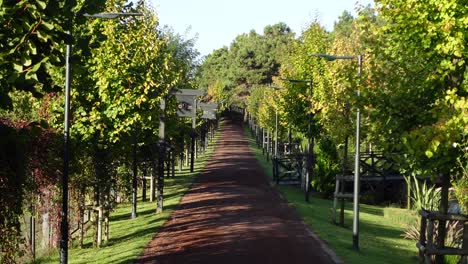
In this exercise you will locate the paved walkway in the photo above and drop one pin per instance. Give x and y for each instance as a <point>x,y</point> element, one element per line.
<point>232,215</point>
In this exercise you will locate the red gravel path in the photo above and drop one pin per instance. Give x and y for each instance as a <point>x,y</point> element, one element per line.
<point>232,215</point>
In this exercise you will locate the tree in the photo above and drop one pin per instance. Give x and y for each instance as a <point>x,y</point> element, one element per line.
<point>252,59</point>
<point>31,46</point>
<point>300,65</point>
<point>417,88</point>
<point>423,108</point>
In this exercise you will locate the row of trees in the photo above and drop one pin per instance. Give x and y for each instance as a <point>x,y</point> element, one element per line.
<point>121,69</point>
<point>413,89</point>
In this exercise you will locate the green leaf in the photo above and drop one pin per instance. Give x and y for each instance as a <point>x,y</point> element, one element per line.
<point>47,25</point>
<point>429,154</point>
<point>36,67</point>
<point>25,60</point>
<point>32,47</point>
<point>41,4</point>
<point>32,76</point>
<point>41,37</point>
<point>18,67</point>
<point>435,144</point>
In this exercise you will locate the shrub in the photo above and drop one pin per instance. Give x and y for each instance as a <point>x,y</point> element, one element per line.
<point>453,238</point>
<point>423,196</point>
<point>460,183</point>
<point>460,187</point>
<point>326,167</point>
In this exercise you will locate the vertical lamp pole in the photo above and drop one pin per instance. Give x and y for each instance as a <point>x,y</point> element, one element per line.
<point>276,132</point>
<point>357,155</point>
<point>192,145</point>
<point>310,158</point>
<point>310,147</point>
<point>66,139</point>
<point>162,155</point>
<point>66,163</point>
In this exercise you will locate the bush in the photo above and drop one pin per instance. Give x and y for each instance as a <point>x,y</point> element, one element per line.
<point>460,183</point>
<point>326,167</point>
<point>453,238</point>
<point>460,187</point>
<point>423,196</point>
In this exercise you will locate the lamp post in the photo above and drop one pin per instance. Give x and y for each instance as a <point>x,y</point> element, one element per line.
<point>66,139</point>
<point>328,57</point>
<point>310,142</point>
<point>276,132</point>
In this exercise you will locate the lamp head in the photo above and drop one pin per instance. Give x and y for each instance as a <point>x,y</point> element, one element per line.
<point>328,57</point>
<point>298,81</point>
<point>111,15</point>
<point>325,56</point>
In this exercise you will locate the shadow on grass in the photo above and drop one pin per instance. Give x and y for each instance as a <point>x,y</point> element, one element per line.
<point>132,234</point>
<point>372,210</point>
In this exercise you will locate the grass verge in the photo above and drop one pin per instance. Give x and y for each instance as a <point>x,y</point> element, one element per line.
<point>380,227</point>
<point>128,237</point>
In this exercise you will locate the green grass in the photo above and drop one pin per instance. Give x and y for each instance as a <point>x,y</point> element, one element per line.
<point>380,238</point>
<point>128,237</point>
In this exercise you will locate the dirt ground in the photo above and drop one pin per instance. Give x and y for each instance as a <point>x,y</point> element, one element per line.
<point>232,215</point>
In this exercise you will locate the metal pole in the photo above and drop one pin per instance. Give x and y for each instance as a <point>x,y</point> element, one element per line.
<point>32,235</point>
<point>356,168</point>
<point>192,147</point>
<point>276,132</point>
<point>135,175</point>
<point>66,157</point>
<point>268,143</point>
<point>162,154</point>
<point>66,154</point>
<point>309,151</point>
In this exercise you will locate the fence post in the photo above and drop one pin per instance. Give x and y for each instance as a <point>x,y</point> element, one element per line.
<point>430,239</point>
<point>422,239</point>
<point>99,231</point>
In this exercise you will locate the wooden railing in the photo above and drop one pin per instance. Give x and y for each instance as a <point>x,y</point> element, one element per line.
<point>427,245</point>
<point>288,169</point>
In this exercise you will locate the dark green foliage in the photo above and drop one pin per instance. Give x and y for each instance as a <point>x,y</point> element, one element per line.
<point>344,25</point>
<point>326,167</point>
<point>12,178</point>
<point>252,59</point>
<point>33,35</point>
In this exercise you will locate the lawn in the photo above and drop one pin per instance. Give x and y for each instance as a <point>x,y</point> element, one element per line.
<point>128,237</point>
<point>380,227</point>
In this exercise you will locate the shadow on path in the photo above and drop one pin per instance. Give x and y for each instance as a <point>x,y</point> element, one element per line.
<point>232,215</point>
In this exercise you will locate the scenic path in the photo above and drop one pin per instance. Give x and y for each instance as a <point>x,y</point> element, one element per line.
<point>232,215</point>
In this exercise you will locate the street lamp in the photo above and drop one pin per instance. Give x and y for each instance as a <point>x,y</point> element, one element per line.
<point>66,141</point>
<point>328,57</point>
<point>310,151</point>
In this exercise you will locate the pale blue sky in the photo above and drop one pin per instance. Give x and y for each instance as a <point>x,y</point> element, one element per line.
<point>218,22</point>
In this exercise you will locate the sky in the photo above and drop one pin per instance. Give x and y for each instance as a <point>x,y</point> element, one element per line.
<point>216,23</point>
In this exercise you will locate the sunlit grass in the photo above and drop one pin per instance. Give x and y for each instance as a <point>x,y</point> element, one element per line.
<point>128,237</point>
<point>380,238</point>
